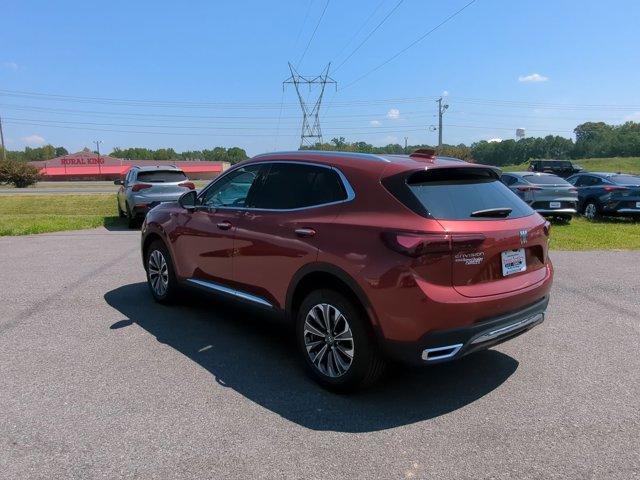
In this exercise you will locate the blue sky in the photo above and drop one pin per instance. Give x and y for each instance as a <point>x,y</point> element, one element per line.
<point>218,67</point>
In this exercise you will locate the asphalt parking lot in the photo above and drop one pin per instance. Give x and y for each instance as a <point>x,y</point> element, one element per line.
<point>98,381</point>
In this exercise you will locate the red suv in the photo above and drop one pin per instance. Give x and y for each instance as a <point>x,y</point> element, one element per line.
<point>373,257</point>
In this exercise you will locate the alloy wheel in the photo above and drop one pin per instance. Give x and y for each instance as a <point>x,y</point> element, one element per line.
<point>590,211</point>
<point>158,273</point>
<point>328,340</point>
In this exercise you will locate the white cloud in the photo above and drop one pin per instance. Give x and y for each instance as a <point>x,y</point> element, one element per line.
<point>10,66</point>
<point>445,93</point>
<point>534,77</point>
<point>494,140</point>
<point>375,123</point>
<point>393,113</point>
<point>33,140</point>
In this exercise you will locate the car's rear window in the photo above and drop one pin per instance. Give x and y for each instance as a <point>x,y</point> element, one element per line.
<point>161,176</point>
<point>625,179</point>
<point>545,180</point>
<point>456,193</point>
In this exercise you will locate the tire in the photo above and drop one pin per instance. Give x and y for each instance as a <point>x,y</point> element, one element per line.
<point>163,285</point>
<point>132,220</point>
<point>590,210</point>
<point>121,214</point>
<point>344,365</point>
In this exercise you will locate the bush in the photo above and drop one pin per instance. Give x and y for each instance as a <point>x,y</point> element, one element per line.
<point>19,174</point>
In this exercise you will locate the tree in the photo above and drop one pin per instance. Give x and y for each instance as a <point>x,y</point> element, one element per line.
<point>19,174</point>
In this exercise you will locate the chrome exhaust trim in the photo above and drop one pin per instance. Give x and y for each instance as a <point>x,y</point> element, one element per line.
<point>440,353</point>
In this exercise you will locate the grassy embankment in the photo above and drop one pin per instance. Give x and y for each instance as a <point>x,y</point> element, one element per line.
<point>24,215</point>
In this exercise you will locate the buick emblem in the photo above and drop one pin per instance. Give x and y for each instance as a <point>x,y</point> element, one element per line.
<point>524,236</point>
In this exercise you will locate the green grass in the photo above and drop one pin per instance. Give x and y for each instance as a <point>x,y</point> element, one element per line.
<point>28,214</point>
<point>603,234</point>
<point>615,164</point>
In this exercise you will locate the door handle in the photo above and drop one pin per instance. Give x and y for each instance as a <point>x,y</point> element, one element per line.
<point>224,225</point>
<point>305,232</point>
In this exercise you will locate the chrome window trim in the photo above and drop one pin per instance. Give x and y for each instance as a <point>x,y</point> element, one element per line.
<point>231,291</point>
<point>351,194</point>
<point>327,153</point>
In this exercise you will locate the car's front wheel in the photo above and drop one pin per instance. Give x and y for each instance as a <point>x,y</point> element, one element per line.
<point>161,278</point>
<point>336,343</point>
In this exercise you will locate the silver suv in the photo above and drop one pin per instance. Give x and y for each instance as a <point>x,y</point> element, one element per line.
<point>145,187</point>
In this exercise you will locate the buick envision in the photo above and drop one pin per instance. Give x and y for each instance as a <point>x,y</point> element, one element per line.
<point>604,193</point>
<point>372,257</point>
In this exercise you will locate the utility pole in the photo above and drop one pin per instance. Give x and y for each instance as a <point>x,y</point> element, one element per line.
<point>311,134</point>
<point>98,142</point>
<point>441,109</point>
<point>4,152</point>
<point>405,144</point>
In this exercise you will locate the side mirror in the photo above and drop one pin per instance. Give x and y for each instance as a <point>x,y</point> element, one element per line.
<point>118,182</point>
<point>188,200</point>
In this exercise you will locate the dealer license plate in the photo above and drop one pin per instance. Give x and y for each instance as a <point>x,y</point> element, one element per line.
<point>513,261</point>
<point>554,204</point>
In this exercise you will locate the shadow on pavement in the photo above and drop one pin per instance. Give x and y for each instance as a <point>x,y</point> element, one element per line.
<point>253,353</point>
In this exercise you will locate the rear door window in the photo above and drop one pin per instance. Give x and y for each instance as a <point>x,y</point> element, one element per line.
<point>460,193</point>
<point>162,176</point>
<point>288,186</point>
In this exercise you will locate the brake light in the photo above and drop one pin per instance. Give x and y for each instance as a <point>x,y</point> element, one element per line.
<point>419,244</point>
<point>189,185</point>
<point>529,189</point>
<point>140,186</point>
<point>610,188</point>
<point>573,190</point>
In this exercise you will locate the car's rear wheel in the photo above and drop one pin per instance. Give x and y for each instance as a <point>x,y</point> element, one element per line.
<point>336,343</point>
<point>161,278</point>
<point>132,220</point>
<point>591,210</point>
<point>121,214</point>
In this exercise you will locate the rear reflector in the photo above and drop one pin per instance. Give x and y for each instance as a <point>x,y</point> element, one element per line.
<point>140,186</point>
<point>189,185</point>
<point>610,188</point>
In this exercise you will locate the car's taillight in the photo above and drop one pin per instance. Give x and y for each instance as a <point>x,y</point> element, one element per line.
<point>418,244</point>
<point>547,228</point>
<point>189,185</point>
<point>140,186</point>
<point>525,188</point>
<point>573,190</point>
<point>611,188</point>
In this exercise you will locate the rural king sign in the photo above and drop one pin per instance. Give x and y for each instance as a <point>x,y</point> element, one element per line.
<point>82,161</point>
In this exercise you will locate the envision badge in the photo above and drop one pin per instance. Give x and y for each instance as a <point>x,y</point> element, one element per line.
<point>524,236</point>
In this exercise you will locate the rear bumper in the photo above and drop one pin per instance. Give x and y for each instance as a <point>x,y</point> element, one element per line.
<point>446,345</point>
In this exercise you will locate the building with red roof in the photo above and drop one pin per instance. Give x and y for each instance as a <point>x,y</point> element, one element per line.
<point>87,165</point>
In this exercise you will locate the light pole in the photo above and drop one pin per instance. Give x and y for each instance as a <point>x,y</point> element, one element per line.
<point>441,109</point>
<point>98,142</point>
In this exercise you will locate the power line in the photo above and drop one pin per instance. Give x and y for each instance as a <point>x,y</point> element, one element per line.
<point>364,24</point>
<point>313,34</point>
<point>369,35</point>
<point>419,39</point>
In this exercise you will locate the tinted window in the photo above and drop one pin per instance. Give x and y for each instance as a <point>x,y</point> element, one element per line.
<point>231,190</point>
<point>545,180</point>
<point>457,192</point>
<point>294,185</point>
<point>161,176</point>
<point>508,179</point>
<point>625,179</point>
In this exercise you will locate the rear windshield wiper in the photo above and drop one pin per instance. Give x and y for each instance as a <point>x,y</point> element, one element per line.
<point>492,212</point>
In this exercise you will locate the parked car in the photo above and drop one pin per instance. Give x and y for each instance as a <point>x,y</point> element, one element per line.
<point>605,193</point>
<point>548,194</point>
<point>372,257</point>
<point>145,187</point>
<point>562,168</point>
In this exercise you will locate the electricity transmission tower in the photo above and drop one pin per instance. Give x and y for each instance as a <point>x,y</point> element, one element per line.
<point>311,133</point>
